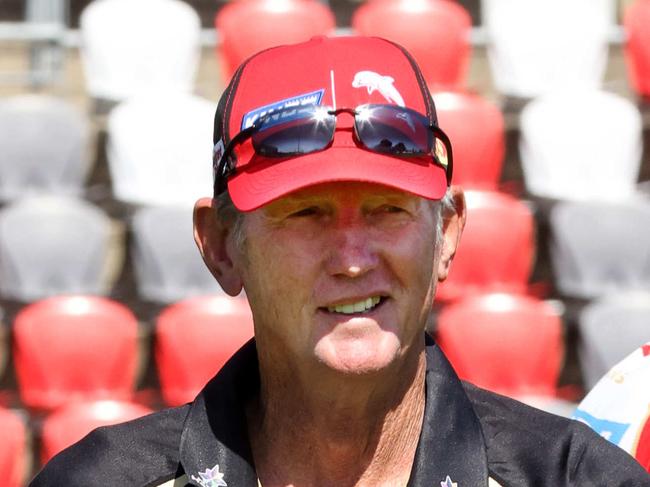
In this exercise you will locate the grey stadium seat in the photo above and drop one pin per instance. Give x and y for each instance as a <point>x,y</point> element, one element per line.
<point>54,245</point>
<point>600,248</point>
<point>168,265</point>
<point>44,147</point>
<point>610,330</point>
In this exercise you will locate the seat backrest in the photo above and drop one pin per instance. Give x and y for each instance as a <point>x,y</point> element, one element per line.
<point>159,149</point>
<point>503,265</point>
<point>74,347</point>
<point>610,329</point>
<point>435,32</point>
<point>637,47</point>
<point>72,422</point>
<point>569,140</point>
<point>600,248</point>
<point>506,343</point>
<point>476,128</point>
<point>54,246</point>
<point>194,339</point>
<point>132,47</point>
<point>248,27</point>
<point>13,460</point>
<point>44,144</point>
<point>537,47</point>
<point>168,265</point>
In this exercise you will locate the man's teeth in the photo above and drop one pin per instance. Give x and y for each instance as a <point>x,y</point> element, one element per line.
<point>358,307</point>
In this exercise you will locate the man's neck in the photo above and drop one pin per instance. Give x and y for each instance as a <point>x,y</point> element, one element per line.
<point>352,434</point>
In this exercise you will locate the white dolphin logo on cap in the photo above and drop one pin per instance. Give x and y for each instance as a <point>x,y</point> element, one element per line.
<point>375,81</point>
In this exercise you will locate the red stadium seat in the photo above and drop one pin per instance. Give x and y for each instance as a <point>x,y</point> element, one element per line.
<point>71,348</point>
<point>194,338</point>
<point>637,49</point>
<point>510,344</point>
<point>476,129</point>
<point>248,27</point>
<point>12,449</point>
<point>435,32</point>
<point>71,423</point>
<point>497,248</point>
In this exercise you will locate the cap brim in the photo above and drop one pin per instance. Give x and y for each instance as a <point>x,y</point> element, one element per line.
<point>264,180</point>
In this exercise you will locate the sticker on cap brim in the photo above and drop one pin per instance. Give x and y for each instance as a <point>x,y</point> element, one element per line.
<point>311,98</point>
<point>440,151</point>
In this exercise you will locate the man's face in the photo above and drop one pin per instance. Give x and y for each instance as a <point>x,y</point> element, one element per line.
<point>341,274</point>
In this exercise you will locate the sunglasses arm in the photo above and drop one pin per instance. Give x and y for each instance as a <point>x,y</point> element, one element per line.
<point>437,132</point>
<point>224,168</point>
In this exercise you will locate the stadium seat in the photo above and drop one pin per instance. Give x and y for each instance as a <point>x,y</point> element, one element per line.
<point>506,263</point>
<point>71,348</point>
<point>600,248</point>
<point>13,459</point>
<point>637,48</point>
<point>581,144</point>
<point>4,342</point>
<point>506,343</point>
<point>160,149</point>
<point>435,32</point>
<point>251,26</point>
<point>44,144</point>
<point>194,338</point>
<point>168,265</point>
<point>72,422</point>
<point>536,47</point>
<point>52,246</point>
<point>610,329</point>
<point>131,47</point>
<point>476,128</point>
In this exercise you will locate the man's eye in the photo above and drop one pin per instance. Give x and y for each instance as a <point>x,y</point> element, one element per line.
<point>309,211</point>
<point>392,209</point>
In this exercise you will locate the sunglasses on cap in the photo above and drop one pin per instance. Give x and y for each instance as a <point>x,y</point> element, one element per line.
<point>295,131</point>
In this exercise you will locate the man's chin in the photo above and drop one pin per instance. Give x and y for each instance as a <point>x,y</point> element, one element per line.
<point>358,355</point>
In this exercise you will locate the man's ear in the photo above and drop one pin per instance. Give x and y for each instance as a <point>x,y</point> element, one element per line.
<point>453,222</point>
<point>211,236</point>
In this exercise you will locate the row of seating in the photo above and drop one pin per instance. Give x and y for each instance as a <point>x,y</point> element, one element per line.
<point>58,431</point>
<point>525,60</point>
<point>73,348</point>
<point>159,153</point>
<point>51,246</point>
<point>484,335</point>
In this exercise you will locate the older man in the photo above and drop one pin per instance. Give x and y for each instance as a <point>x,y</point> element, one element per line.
<point>333,210</point>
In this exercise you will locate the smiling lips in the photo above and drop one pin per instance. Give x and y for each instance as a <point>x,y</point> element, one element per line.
<point>356,307</point>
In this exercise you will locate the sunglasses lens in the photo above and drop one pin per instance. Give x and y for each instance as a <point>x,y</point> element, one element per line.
<point>393,130</point>
<point>291,132</point>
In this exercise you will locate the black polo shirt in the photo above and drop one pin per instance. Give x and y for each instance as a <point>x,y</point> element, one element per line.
<point>470,438</point>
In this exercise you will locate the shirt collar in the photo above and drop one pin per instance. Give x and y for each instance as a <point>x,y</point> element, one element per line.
<point>215,451</point>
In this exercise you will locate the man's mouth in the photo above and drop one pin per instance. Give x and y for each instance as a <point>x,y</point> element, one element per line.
<point>362,306</point>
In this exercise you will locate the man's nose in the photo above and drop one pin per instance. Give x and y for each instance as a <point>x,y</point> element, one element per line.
<point>352,252</point>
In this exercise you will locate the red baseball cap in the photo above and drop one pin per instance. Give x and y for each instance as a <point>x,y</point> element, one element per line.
<point>342,72</point>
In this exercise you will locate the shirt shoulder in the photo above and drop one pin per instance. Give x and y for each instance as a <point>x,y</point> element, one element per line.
<point>139,453</point>
<point>529,447</point>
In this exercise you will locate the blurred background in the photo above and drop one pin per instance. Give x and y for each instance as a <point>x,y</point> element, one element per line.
<point>106,111</point>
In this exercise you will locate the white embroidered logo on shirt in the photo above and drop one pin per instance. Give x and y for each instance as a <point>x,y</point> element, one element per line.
<point>210,478</point>
<point>383,84</point>
<point>448,483</point>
